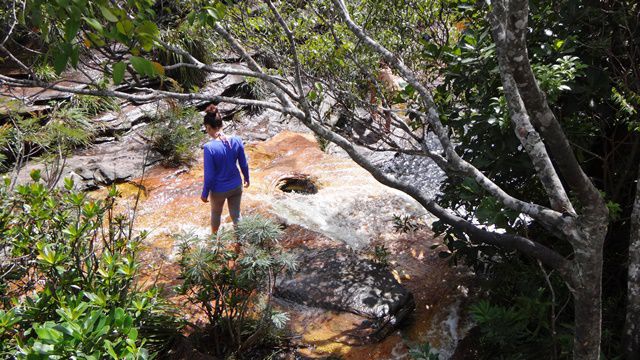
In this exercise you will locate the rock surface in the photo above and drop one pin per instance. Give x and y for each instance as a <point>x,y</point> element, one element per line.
<point>337,279</point>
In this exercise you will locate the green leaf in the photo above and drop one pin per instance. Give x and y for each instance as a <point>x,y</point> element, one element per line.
<point>142,65</point>
<point>71,29</point>
<point>36,175</point>
<point>60,62</point>
<point>68,183</point>
<point>147,33</point>
<point>133,334</point>
<point>119,316</point>
<point>45,333</point>
<point>95,39</point>
<point>108,14</point>
<point>95,24</point>
<point>75,56</point>
<point>118,72</point>
<point>124,27</point>
<point>109,347</point>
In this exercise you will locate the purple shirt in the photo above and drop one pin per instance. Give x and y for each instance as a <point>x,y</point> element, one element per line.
<point>220,165</point>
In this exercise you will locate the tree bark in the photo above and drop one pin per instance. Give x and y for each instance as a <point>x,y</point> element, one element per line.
<point>632,321</point>
<point>587,296</point>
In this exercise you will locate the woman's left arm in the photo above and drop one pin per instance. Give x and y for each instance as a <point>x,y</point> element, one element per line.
<point>208,175</point>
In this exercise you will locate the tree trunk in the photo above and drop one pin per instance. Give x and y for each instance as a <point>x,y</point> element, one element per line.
<point>587,294</point>
<point>632,323</point>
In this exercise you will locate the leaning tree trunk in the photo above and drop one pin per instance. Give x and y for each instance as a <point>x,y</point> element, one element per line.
<point>632,324</point>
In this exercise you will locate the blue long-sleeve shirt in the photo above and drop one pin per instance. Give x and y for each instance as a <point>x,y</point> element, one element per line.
<point>220,170</point>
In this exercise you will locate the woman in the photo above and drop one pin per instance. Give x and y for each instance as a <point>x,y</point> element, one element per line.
<point>222,179</point>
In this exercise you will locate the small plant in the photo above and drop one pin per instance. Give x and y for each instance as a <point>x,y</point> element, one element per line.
<point>381,255</point>
<point>252,89</point>
<point>94,105</point>
<point>175,134</point>
<point>45,72</point>
<point>232,277</point>
<point>423,352</point>
<point>406,223</point>
<point>323,144</point>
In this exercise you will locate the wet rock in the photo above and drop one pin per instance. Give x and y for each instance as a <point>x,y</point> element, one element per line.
<point>337,279</point>
<point>105,163</point>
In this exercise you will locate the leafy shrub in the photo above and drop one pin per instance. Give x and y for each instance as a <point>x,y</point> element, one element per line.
<point>253,89</point>
<point>24,137</point>
<point>176,134</point>
<point>197,43</point>
<point>94,105</point>
<point>45,72</point>
<point>231,277</point>
<point>380,254</point>
<point>523,317</point>
<point>69,264</point>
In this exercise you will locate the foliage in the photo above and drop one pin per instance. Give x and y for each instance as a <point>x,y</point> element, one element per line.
<point>231,276</point>
<point>175,133</point>
<point>526,314</point>
<point>97,24</point>
<point>45,72</point>
<point>94,105</point>
<point>406,223</point>
<point>24,137</point>
<point>574,66</point>
<point>423,351</point>
<point>69,263</point>
<point>590,78</point>
<point>197,43</point>
<point>381,254</point>
<point>252,89</point>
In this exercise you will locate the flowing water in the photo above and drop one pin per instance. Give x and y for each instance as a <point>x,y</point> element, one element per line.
<point>349,208</point>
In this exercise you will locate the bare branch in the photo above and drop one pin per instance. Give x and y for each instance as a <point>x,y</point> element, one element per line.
<point>150,94</point>
<point>548,217</point>
<point>545,255</point>
<point>226,70</point>
<point>294,54</point>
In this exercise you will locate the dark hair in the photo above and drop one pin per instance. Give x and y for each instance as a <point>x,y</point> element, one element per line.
<point>212,117</point>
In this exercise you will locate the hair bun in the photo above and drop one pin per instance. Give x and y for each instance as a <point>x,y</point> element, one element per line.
<point>211,109</point>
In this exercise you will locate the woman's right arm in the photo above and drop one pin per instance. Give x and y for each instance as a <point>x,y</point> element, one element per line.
<point>242,161</point>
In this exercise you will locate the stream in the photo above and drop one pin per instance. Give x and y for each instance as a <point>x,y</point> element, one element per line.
<point>347,207</point>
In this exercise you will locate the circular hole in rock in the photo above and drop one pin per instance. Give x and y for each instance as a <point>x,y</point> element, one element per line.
<point>301,184</point>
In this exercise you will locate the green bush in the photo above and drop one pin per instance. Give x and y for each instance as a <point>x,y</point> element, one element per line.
<point>176,134</point>
<point>523,317</point>
<point>231,277</point>
<point>68,264</point>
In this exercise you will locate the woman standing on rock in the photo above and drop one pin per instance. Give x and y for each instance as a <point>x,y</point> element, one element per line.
<point>222,179</point>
